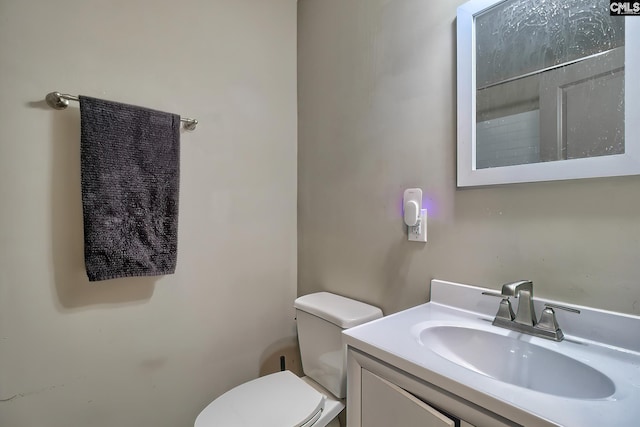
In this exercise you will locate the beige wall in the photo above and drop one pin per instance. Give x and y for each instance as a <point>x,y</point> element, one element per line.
<point>154,351</point>
<point>377,115</point>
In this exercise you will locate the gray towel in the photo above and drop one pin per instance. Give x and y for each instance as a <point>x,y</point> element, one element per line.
<point>130,178</point>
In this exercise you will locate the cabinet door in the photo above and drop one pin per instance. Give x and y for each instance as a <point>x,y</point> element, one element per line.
<point>385,404</point>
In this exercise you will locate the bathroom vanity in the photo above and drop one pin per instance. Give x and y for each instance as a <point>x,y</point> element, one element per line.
<point>444,363</point>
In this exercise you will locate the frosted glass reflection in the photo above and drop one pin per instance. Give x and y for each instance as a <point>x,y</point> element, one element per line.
<point>520,36</point>
<point>550,82</point>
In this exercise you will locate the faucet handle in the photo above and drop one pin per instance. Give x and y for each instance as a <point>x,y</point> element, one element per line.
<point>505,311</point>
<point>561,307</point>
<point>493,294</point>
<point>548,321</point>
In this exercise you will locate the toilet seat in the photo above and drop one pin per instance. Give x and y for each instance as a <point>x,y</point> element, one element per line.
<point>276,400</point>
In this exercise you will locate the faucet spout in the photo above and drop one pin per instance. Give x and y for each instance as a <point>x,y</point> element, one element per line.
<point>513,289</point>
<point>523,290</point>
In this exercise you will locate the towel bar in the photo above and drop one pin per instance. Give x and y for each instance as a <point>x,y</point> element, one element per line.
<point>60,101</point>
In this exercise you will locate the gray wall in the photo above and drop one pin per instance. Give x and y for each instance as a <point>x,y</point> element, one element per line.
<point>145,351</point>
<point>376,93</point>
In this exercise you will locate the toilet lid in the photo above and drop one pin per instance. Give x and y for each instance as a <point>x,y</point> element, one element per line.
<point>276,400</point>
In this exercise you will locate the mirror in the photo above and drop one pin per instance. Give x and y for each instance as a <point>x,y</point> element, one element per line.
<point>546,91</point>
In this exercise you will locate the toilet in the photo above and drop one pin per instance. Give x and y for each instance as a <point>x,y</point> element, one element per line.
<point>286,400</point>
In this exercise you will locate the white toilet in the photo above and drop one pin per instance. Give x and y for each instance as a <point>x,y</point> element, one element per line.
<point>285,400</point>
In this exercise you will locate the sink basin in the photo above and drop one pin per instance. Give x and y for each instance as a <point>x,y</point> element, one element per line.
<point>516,362</point>
<point>591,379</point>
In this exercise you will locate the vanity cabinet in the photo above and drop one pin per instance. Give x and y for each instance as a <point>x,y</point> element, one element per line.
<point>379,395</point>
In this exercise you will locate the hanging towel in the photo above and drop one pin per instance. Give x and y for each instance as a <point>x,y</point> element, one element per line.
<point>130,178</point>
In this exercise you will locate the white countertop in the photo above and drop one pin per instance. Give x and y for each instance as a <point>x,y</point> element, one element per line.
<point>393,339</point>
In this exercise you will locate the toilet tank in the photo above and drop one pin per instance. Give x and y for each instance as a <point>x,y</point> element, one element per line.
<point>321,318</point>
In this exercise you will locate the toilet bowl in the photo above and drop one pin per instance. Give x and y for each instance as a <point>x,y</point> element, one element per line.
<point>276,400</point>
<point>284,399</point>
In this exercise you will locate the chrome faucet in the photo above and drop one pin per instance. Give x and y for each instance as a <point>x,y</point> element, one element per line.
<point>523,290</point>
<point>525,319</point>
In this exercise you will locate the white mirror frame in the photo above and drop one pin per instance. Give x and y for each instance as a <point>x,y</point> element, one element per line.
<point>615,165</point>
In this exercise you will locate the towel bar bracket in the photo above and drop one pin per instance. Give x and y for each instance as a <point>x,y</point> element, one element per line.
<point>60,101</point>
<point>189,124</point>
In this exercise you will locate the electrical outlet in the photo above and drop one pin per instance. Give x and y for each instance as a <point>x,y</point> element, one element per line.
<point>418,232</point>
